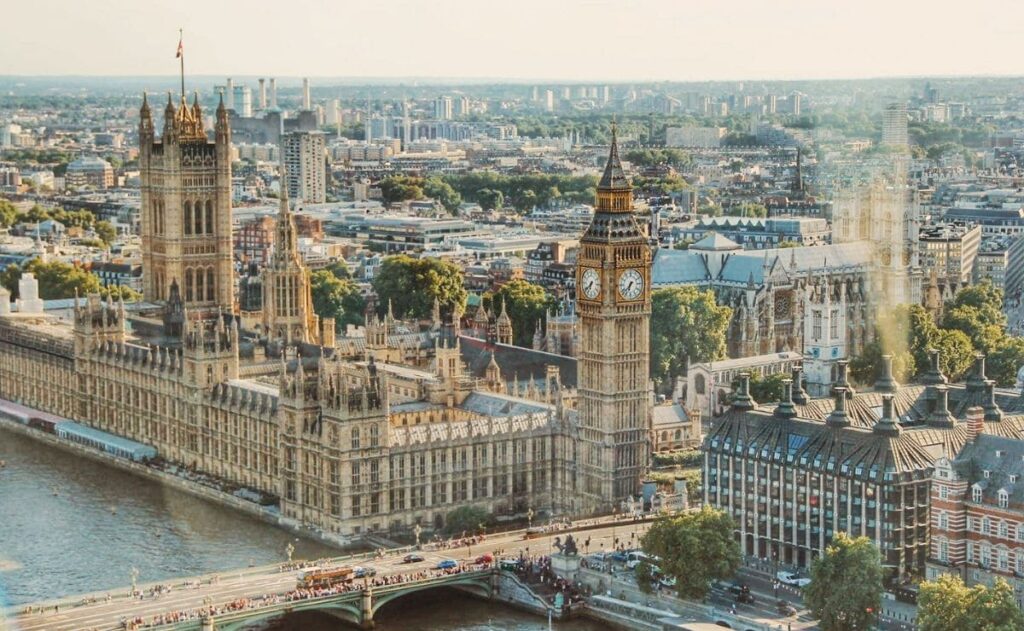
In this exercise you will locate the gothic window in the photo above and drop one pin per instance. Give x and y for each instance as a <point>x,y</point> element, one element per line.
<point>199,218</point>
<point>188,285</point>
<point>374,438</point>
<point>355,438</point>
<point>200,278</point>
<point>188,218</point>
<point>943,550</point>
<point>209,217</point>
<point>209,283</point>
<point>816,325</point>
<point>833,325</point>
<point>698,384</point>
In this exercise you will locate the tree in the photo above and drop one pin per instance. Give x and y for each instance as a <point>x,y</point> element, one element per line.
<point>8,214</point>
<point>437,188</point>
<point>956,355</point>
<point>56,279</point>
<point>399,188</point>
<point>645,576</point>
<point>525,303</point>
<point>682,244</point>
<point>120,292</point>
<point>747,209</point>
<point>687,326</point>
<point>946,603</point>
<point>765,389</point>
<point>695,549</point>
<point>490,199</point>
<point>336,298</point>
<point>105,231</point>
<point>864,369</point>
<point>411,285</point>
<point>1003,363</point>
<point>846,584</point>
<point>466,519</point>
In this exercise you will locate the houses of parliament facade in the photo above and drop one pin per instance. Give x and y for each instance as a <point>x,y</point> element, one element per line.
<point>348,442</point>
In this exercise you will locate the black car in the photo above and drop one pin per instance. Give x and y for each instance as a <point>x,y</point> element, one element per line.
<point>745,598</point>
<point>412,558</point>
<point>739,588</point>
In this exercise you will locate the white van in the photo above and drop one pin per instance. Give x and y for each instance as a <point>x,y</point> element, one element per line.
<point>634,557</point>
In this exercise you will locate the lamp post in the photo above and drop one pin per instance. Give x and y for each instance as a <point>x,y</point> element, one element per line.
<point>289,550</point>
<point>529,518</point>
<point>417,530</point>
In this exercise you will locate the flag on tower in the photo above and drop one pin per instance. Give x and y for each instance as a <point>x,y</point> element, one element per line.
<point>181,48</point>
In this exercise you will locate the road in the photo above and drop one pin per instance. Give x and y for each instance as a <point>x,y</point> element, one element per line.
<point>96,611</point>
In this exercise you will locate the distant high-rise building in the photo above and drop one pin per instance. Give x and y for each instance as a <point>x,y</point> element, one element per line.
<point>307,102</point>
<point>263,94</point>
<point>795,104</point>
<point>462,106</point>
<point>304,154</point>
<point>566,93</point>
<point>273,93</point>
<point>535,94</point>
<point>549,100</point>
<point>770,104</point>
<point>606,94</point>
<point>242,100</point>
<point>443,108</point>
<point>894,126</point>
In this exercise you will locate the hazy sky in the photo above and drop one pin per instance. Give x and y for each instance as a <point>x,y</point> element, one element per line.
<point>515,39</point>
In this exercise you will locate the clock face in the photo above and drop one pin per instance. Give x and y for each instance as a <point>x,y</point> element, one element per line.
<point>591,283</point>
<point>631,284</point>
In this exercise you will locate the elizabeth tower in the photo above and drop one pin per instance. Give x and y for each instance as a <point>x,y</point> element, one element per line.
<point>613,292</point>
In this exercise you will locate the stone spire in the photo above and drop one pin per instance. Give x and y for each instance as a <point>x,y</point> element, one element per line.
<point>888,424</point>
<point>613,178</point>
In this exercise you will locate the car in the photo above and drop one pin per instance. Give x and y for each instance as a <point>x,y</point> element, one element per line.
<point>446,564</point>
<point>509,564</point>
<point>618,556</point>
<point>412,558</point>
<point>361,572</point>
<point>485,558</point>
<point>785,608</point>
<point>792,578</point>
<point>636,557</point>
<point>668,582</point>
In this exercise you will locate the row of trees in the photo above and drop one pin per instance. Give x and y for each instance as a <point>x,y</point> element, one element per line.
<point>58,280</point>
<point>10,215</point>
<point>490,190</point>
<point>972,321</point>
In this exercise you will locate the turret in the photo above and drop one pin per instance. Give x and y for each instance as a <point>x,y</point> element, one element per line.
<point>741,399</point>
<point>169,116</point>
<point>146,131</point>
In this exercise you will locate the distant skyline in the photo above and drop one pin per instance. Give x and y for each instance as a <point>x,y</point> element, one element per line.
<point>530,40</point>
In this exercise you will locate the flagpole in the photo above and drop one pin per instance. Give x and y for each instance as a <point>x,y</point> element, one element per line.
<point>181,57</point>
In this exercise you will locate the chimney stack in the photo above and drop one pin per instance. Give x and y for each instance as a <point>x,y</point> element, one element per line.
<point>975,422</point>
<point>838,417</point>
<point>273,93</point>
<point>306,101</point>
<point>992,412</point>
<point>799,394</point>
<point>742,400</point>
<point>263,94</point>
<point>786,409</point>
<point>229,98</point>
<point>886,382</point>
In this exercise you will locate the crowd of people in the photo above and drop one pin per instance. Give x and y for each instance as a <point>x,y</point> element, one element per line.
<point>298,594</point>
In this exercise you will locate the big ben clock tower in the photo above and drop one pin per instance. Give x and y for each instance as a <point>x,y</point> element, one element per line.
<point>613,294</point>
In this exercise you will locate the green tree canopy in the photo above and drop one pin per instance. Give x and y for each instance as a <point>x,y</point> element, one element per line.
<point>105,231</point>
<point>399,188</point>
<point>336,298</point>
<point>687,326</point>
<point>56,279</point>
<point>765,389</point>
<point>652,157</point>
<point>411,285</point>
<point>437,188</point>
<point>846,584</point>
<point>490,199</point>
<point>695,549</point>
<point>468,519</point>
<point>8,214</point>
<point>747,209</point>
<point>946,603</point>
<point>525,303</point>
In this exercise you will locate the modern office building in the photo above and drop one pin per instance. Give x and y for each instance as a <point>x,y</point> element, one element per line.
<point>894,126</point>
<point>950,248</point>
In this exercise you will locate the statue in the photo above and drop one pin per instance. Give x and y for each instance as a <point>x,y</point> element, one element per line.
<point>568,548</point>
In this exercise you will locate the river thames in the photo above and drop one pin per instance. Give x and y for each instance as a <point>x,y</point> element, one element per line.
<point>70,525</point>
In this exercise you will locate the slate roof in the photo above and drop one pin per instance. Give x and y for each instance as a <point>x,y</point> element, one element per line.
<point>980,455</point>
<point>514,361</point>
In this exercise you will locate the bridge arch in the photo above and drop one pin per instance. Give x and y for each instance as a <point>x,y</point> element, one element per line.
<point>477,584</point>
<point>349,612</point>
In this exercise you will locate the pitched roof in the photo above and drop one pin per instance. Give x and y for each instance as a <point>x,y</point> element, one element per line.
<point>715,241</point>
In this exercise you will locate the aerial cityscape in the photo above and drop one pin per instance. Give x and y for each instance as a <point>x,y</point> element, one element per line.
<point>480,323</point>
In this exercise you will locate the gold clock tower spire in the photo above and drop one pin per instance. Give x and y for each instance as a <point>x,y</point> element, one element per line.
<point>613,279</point>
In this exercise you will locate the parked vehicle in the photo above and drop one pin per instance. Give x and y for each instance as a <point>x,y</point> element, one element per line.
<point>509,564</point>
<point>636,557</point>
<point>785,608</point>
<point>791,578</point>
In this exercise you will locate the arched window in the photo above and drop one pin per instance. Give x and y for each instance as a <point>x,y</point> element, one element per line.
<point>698,384</point>
<point>188,285</point>
<point>199,218</point>
<point>209,217</point>
<point>209,283</point>
<point>200,278</point>
<point>188,218</point>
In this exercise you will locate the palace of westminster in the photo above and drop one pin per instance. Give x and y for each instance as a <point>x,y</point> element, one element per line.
<point>352,437</point>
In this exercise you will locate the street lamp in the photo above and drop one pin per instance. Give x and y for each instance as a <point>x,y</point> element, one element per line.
<point>134,573</point>
<point>289,550</point>
<point>417,530</point>
<point>529,518</point>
